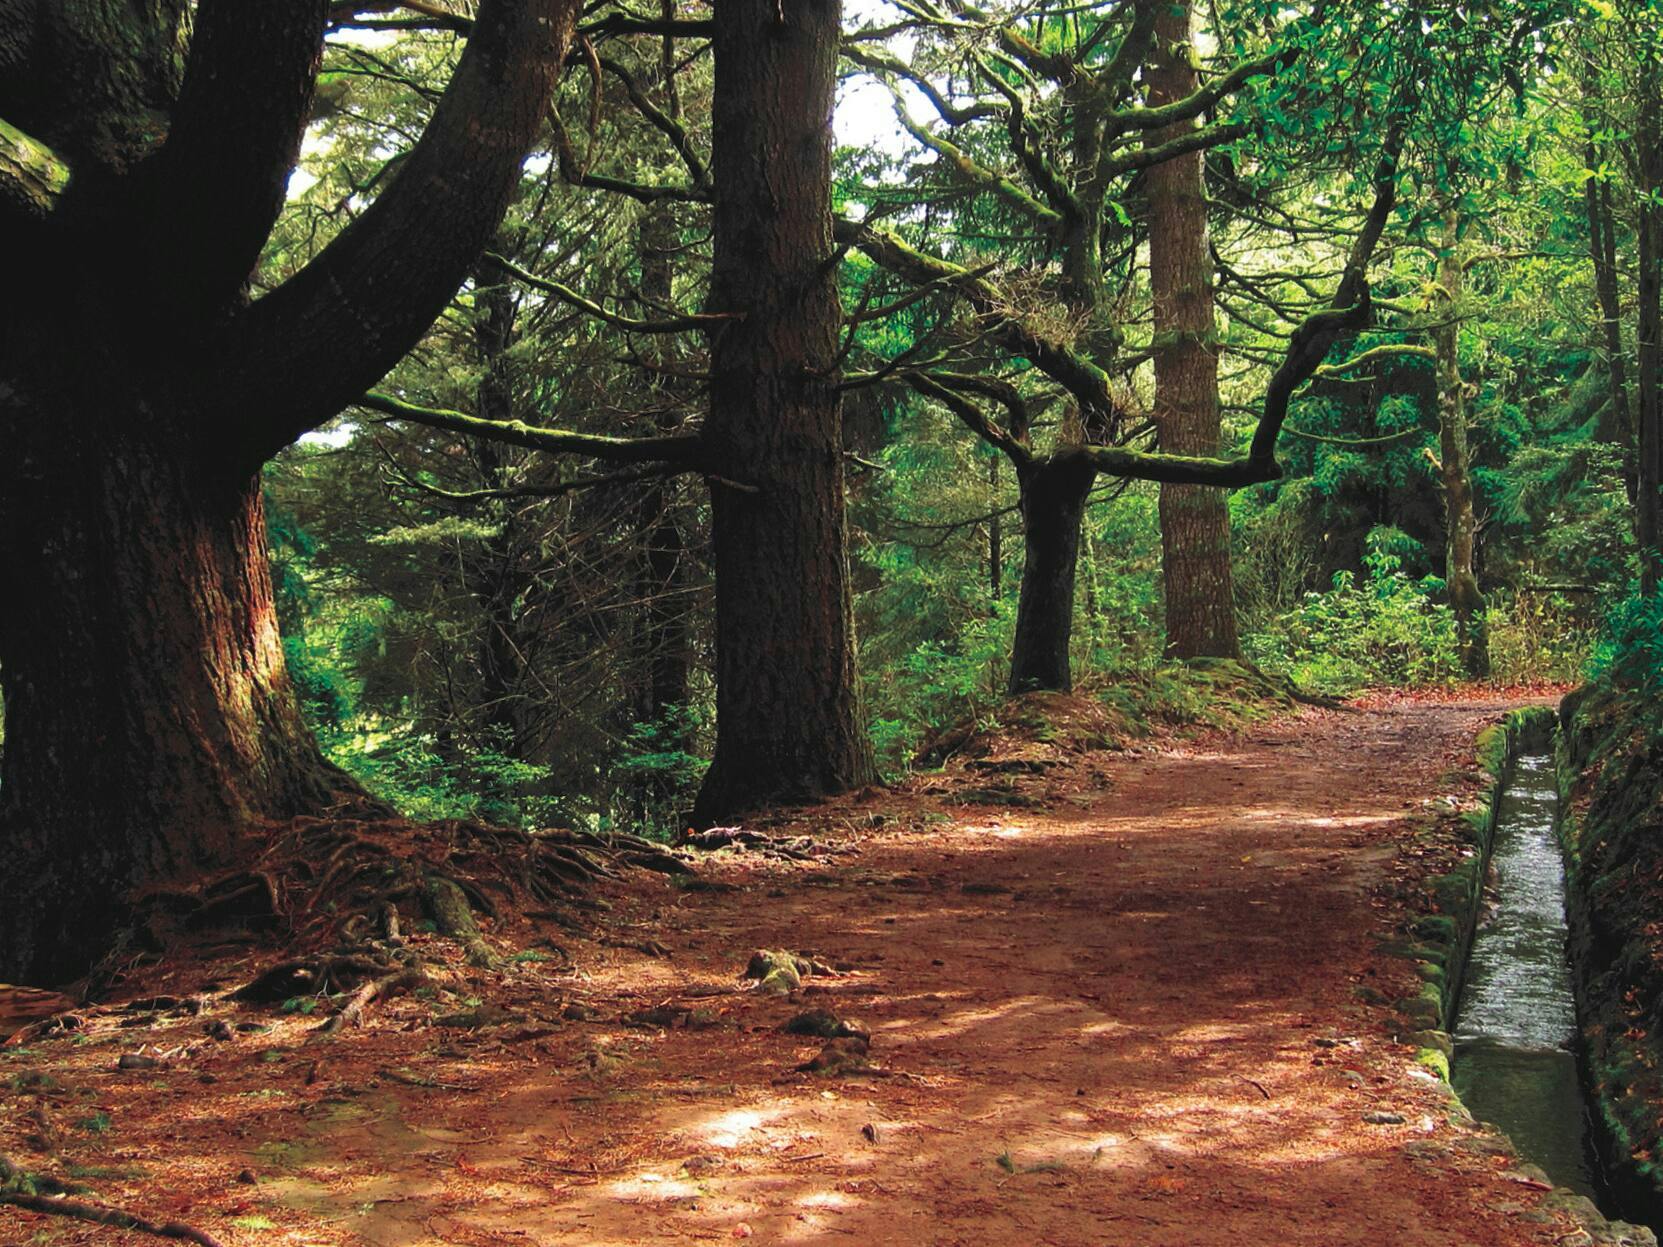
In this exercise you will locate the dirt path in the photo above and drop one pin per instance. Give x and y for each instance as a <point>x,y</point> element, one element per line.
<point>1132,1016</point>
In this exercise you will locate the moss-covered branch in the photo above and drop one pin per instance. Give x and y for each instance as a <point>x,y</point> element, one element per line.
<point>967,167</point>
<point>1389,350</point>
<point>1002,323</point>
<point>32,176</point>
<point>680,448</point>
<point>672,324</point>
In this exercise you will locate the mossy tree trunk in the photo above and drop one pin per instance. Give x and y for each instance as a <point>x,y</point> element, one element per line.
<point>1455,463</point>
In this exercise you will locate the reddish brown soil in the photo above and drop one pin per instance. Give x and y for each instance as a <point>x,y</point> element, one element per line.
<point>1134,1014</point>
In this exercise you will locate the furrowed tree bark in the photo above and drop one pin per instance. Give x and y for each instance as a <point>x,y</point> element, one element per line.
<point>151,729</point>
<point>789,722</point>
<point>150,725</point>
<point>1053,495</point>
<point>1455,467</point>
<point>1195,521</point>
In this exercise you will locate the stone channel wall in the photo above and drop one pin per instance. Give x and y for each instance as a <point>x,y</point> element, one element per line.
<point>1611,829</point>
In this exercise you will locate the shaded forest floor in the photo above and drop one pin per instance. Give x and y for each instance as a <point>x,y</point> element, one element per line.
<point>1113,998</point>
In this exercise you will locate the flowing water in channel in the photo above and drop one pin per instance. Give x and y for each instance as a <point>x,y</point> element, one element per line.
<point>1517,1023</point>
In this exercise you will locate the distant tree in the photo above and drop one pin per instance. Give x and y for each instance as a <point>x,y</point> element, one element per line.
<point>1195,524</point>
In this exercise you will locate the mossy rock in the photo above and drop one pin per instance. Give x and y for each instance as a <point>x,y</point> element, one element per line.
<point>1425,1010</point>
<point>1437,1040</point>
<point>1435,928</point>
<point>778,972</point>
<point>1491,749</point>
<point>1434,1060</point>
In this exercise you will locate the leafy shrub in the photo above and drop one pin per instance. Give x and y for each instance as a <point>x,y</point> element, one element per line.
<point>1539,636</point>
<point>405,770</point>
<point>1629,651</point>
<point>1387,630</point>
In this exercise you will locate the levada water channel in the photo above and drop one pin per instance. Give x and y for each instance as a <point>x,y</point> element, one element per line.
<point>1516,1027</point>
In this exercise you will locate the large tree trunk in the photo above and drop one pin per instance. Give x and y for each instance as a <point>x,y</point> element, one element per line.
<point>789,723</point>
<point>1053,495</point>
<point>1460,522</point>
<point>1195,523</point>
<point>150,723</point>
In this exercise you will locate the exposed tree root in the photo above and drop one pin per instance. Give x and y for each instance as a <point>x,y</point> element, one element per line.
<point>340,891</point>
<point>18,1189</point>
<point>793,848</point>
<point>352,1014</point>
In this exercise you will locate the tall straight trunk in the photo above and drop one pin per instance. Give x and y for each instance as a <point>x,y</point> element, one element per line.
<point>663,629</point>
<point>789,721</point>
<point>151,728</point>
<point>1649,139</point>
<point>496,578</point>
<point>1455,468</point>
<point>1195,523</point>
<point>1616,425</point>
<point>662,662</point>
<point>1053,494</point>
<point>995,539</point>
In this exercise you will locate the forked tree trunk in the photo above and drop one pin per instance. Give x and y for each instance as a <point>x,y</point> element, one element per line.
<point>1195,522</point>
<point>789,723</point>
<point>1053,495</point>
<point>150,723</point>
<point>151,728</point>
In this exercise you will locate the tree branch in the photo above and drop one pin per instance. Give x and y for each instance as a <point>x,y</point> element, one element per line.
<point>976,174</point>
<point>1088,383</point>
<point>1386,350</point>
<point>1190,141</point>
<point>326,335</point>
<point>237,128</point>
<point>438,17</point>
<point>681,448</point>
<point>675,324</point>
<point>32,177</point>
<point>972,417</point>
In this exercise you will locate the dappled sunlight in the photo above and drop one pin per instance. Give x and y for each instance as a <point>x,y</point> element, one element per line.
<point>1105,1036</point>
<point>730,1129</point>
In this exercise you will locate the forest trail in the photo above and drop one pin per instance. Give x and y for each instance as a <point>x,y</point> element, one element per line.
<point>1131,1015</point>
